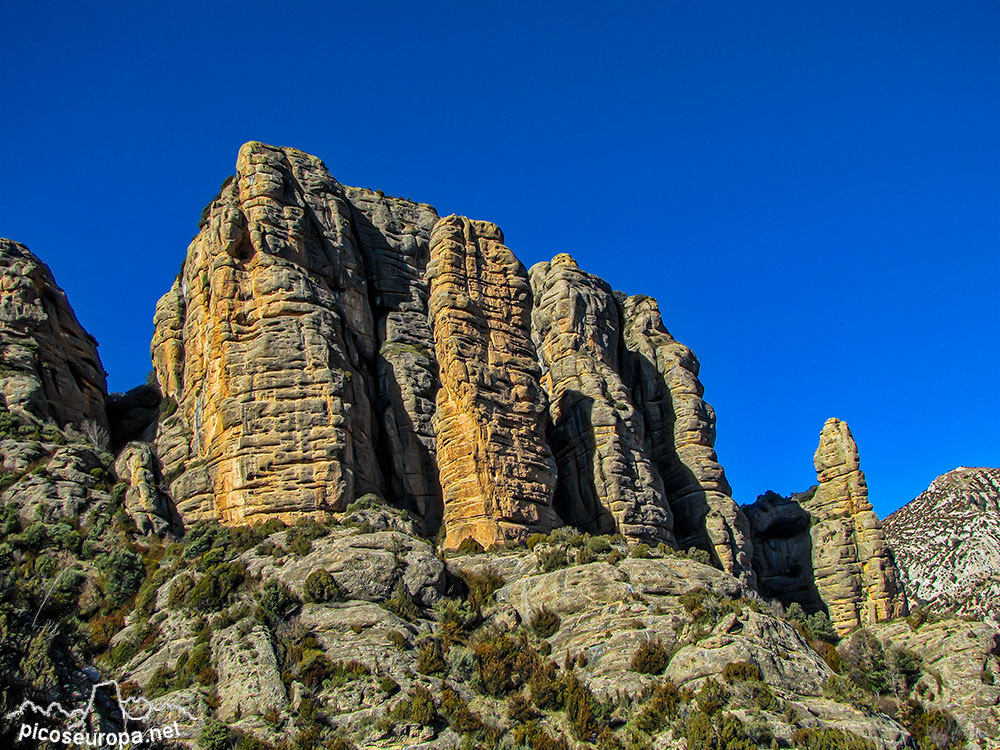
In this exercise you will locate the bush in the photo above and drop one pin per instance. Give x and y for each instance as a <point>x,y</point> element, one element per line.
<point>830,739</point>
<point>545,623</point>
<point>481,588</point>
<point>430,658</point>
<point>741,671</point>
<point>214,735</point>
<point>712,696</point>
<point>864,661</point>
<point>640,551</point>
<point>551,558</point>
<point>216,588</point>
<point>276,602</point>
<point>124,571</point>
<point>417,708</point>
<point>402,605</point>
<point>662,706</point>
<point>496,664</point>
<point>651,658</point>
<point>321,587</point>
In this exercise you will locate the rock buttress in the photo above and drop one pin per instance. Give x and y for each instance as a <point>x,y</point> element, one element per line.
<point>680,437</point>
<point>497,474</point>
<point>48,364</point>
<point>606,483</point>
<point>261,350</point>
<point>854,570</point>
<point>394,236</point>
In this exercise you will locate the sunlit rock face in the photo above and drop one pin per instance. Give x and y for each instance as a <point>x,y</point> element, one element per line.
<point>497,472</point>
<point>264,345</point>
<point>854,571</point>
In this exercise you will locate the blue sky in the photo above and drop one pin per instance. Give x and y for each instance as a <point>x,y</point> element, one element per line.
<point>809,189</point>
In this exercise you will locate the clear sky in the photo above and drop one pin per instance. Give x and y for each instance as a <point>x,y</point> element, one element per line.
<point>811,190</point>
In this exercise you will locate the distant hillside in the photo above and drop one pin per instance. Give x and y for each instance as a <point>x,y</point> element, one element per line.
<point>947,543</point>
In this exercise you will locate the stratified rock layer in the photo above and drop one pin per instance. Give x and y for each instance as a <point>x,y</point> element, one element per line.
<point>262,345</point>
<point>680,435</point>
<point>48,364</point>
<point>946,543</point>
<point>854,570</point>
<point>606,482</point>
<point>497,474</point>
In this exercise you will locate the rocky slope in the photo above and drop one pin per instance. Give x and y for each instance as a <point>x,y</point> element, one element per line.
<point>947,544</point>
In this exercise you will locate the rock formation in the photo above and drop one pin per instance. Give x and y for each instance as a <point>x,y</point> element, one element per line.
<point>946,543</point>
<point>48,364</point>
<point>853,567</point>
<point>606,482</point>
<point>146,504</point>
<point>394,236</point>
<point>497,473</point>
<point>262,344</point>
<point>680,434</point>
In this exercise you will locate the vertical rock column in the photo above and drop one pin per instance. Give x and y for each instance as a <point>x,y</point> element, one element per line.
<point>394,235</point>
<point>262,348</point>
<point>497,474</point>
<point>606,482</point>
<point>855,574</point>
<point>680,433</point>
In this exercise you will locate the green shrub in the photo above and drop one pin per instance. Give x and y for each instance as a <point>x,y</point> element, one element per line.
<point>401,604</point>
<point>830,739</point>
<point>551,558</point>
<point>712,697</point>
<point>481,587</point>
<point>216,588</point>
<point>321,587</point>
<point>123,571</point>
<point>580,708</point>
<point>179,589</point>
<point>430,658</point>
<point>661,707</point>
<point>214,735</point>
<point>864,661</point>
<point>417,708</point>
<point>640,551</point>
<point>545,623</point>
<point>652,657</point>
<point>599,545</point>
<point>741,671</point>
<point>276,602</point>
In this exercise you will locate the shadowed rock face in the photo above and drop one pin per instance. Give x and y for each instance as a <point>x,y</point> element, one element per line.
<point>48,364</point>
<point>264,344</point>
<point>394,236</point>
<point>854,570</point>
<point>497,473</point>
<point>606,482</point>
<point>680,435</point>
<point>782,549</point>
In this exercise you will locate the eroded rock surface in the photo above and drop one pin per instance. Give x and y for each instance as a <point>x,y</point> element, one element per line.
<point>145,502</point>
<point>607,483</point>
<point>48,364</point>
<point>854,570</point>
<point>680,434</point>
<point>497,473</point>
<point>394,235</point>
<point>262,344</point>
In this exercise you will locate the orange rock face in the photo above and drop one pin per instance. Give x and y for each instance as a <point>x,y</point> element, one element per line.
<point>497,474</point>
<point>854,571</point>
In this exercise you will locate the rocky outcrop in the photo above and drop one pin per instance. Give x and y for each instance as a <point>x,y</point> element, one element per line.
<point>606,482</point>
<point>680,435</point>
<point>853,567</point>
<point>497,473</point>
<point>48,364</point>
<point>146,504</point>
<point>261,350</point>
<point>394,236</point>
<point>947,544</point>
